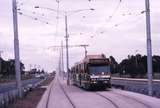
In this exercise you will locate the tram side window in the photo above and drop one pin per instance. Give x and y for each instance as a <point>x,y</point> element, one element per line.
<point>76,69</point>
<point>85,68</point>
<point>82,68</point>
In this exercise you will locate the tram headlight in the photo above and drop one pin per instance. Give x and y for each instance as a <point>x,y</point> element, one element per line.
<point>93,79</point>
<point>105,81</point>
<point>108,76</point>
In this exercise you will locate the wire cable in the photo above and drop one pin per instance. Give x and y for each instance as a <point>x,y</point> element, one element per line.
<point>131,19</point>
<point>21,2</point>
<point>114,12</point>
<point>57,18</point>
<point>40,15</point>
<point>34,18</point>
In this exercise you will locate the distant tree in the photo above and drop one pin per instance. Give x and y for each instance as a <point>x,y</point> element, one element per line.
<point>113,64</point>
<point>156,64</point>
<point>8,67</point>
<point>12,67</point>
<point>143,66</point>
<point>133,66</point>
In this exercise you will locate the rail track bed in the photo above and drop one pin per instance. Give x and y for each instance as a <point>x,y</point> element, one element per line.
<point>63,96</point>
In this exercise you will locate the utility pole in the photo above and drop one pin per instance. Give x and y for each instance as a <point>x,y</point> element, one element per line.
<point>16,48</point>
<point>59,64</point>
<point>62,60</point>
<point>67,56</point>
<point>149,48</point>
<point>0,60</point>
<point>1,53</point>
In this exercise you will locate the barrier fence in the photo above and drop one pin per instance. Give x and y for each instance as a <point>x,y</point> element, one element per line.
<point>136,85</point>
<point>11,96</point>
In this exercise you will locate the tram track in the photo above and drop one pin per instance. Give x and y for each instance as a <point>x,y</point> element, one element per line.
<point>101,94</point>
<point>124,96</point>
<point>108,99</point>
<point>67,96</point>
<point>132,98</point>
<point>102,99</point>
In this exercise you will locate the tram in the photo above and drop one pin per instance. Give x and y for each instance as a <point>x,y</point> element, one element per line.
<point>93,71</point>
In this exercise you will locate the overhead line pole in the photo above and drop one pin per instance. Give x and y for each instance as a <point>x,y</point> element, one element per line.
<point>62,60</point>
<point>0,59</point>
<point>59,64</point>
<point>149,48</point>
<point>16,48</point>
<point>67,56</point>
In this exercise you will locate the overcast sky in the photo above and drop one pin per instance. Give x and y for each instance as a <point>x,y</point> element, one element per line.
<point>119,35</point>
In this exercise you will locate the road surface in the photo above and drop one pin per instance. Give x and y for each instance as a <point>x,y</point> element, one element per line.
<point>12,85</point>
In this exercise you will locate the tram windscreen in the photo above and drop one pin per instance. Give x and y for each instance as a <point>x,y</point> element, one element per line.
<point>98,69</point>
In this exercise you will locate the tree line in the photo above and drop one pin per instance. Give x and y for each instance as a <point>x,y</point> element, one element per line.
<point>134,65</point>
<point>7,67</point>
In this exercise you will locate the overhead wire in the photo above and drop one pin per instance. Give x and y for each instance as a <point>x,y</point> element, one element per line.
<point>122,22</point>
<point>36,14</point>
<point>110,18</point>
<point>132,19</point>
<point>34,18</point>
<point>57,18</point>
<point>22,2</point>
<point>40,15</point>
<point>135,19</point>
<point>114,12</point>
<point>112,15</point>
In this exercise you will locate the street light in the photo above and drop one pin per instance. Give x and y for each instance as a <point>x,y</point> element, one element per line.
<point>65,14</point>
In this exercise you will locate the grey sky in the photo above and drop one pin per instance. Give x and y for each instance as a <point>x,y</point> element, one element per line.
<point>87,27</point>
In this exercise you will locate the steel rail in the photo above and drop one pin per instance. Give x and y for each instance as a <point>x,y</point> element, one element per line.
<point>134,99</point>
<point>65,93</point>
<point>115,105</point>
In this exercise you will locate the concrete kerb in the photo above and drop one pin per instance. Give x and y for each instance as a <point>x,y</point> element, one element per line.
<point>42,103</point>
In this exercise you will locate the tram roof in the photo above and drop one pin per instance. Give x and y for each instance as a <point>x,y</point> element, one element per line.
<point>89,57</point>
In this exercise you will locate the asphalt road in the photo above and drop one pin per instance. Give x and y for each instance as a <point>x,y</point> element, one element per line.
<point>11,86</point>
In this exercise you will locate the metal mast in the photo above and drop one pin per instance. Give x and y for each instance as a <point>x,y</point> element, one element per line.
<point>62,60</point>
<point>149,48</point>
<point>16,47</point>
<point>0,59</point>
<point>67,56</point>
